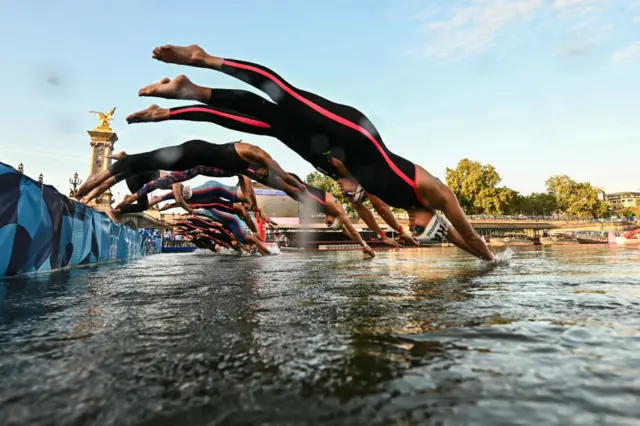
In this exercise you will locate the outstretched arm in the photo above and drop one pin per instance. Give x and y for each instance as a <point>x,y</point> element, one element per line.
<point>247,190</point>
<point>244,215</point>
<point>283,186</point>
<point>387,215</point>
<point>335,209</point>
<point>267,219</point>
<point>169,206</point>
<point>265,160</point>
<point>474,242</point>
<point>368,218</point>
<point>177,195</point>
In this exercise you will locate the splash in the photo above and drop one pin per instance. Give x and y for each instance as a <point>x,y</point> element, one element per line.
<point>273,248</point>
<point>502,258</point>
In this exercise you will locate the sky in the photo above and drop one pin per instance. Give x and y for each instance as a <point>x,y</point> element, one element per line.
<point>534,87</point>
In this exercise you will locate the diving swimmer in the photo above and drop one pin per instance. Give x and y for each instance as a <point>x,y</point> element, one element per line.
<point>272,122</point>
<point>232,157</point>
<point>342,134</point>
<point>234,224</point>
<point>335,216</point>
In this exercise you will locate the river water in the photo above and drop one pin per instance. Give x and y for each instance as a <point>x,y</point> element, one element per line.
<point>411,337</point>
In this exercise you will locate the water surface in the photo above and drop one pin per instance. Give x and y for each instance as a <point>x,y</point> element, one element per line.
<point>411,337</point>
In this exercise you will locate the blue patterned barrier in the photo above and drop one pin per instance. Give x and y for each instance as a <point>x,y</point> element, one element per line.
<point>42,230</point>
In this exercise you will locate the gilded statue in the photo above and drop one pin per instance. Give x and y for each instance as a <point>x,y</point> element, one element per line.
<point>104,119</point>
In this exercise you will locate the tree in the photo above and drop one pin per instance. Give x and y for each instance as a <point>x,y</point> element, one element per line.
<point>535,204</point>
<point>636,210</point>
<point>475,185</point>
<point>328,185</point>
<point>576,198</point>
<point>628,212</point>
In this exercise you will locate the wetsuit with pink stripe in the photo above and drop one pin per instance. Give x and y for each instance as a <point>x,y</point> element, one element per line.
<point>166,181</point>
<point>314,126</point>
<point>211,194</point>
<point>230,221</point>
<point>213,230</point>
<point>182,157</point>
<point>258,116</point>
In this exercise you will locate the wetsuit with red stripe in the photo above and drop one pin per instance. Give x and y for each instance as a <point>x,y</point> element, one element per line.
<point>182,157</point>
<point>211,194</point>
<point>317,125</point>
<point>261,117</point>
<point>213,230</point>
<point>166,181</point>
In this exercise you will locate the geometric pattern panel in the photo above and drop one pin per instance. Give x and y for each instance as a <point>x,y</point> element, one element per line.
<point>43,230</point>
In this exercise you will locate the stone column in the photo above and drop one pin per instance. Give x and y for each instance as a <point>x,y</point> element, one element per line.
<point>102,142</point>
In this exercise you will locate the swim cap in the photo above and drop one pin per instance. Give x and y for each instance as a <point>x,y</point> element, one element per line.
<point>436,229</point>
<point>186,192</point>
<point>359,195</point>
<point>337,225</point>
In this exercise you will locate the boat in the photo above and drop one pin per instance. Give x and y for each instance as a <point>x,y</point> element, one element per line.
<point>592,237</point>
<point>583,240</point>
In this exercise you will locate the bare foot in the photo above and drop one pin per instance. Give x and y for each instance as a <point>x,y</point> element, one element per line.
<point>181,55</point>
<point>111,215</point>
<point>151,114</point>
<point>118,156</point>
<point>178,88</point>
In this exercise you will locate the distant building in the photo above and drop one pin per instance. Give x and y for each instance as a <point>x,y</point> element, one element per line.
<point>275,203</point>
<point>622,200</point>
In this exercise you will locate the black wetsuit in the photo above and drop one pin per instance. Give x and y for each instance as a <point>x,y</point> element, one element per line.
<point>311,126</point>
<point>135,183</point>
<point>181,157</point>
<point>265,119</point>
<point>212,202</point>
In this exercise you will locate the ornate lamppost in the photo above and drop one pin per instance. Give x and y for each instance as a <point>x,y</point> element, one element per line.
<point>21,168</point>
<point>75,181</point>
<point>41,179</point>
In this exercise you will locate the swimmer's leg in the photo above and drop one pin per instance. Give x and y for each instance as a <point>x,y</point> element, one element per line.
<point>188,154</point>
<point>226,118</point>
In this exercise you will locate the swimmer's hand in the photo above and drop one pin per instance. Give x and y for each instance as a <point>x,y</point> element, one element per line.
<point>129,199</point>
<point>409,239</point>
<point>388,241</point>
<point>111,215</point>
<point>367,250</point>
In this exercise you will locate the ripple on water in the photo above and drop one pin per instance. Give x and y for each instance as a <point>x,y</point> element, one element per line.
<point>411,337</point>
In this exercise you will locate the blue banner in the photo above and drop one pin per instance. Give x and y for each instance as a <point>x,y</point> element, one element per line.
<point>42,230</point>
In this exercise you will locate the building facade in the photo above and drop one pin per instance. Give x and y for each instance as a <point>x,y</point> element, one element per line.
<point>622,200</point>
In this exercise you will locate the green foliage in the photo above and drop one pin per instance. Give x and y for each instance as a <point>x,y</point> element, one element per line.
<point>475,185</point>
<point>576,198</point>
<point>628,212</point>
<point>331,186</point>
<point>534,204</point>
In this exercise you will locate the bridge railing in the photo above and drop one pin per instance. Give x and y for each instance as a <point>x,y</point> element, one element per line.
<point>549,218</point>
